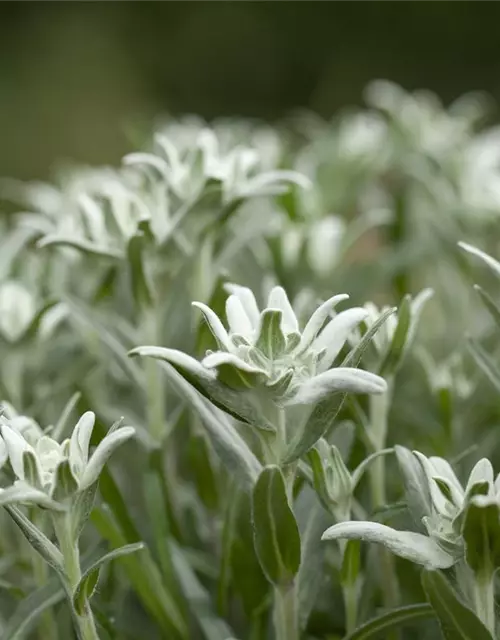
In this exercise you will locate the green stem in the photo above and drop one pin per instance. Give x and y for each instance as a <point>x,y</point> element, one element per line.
<point>484,600</point>
<point>281,444</point>
<point>258,627</point>
<point>379,409</point>
<point>155,394</point>
<point>286,619</point>
<point>398,234</point>
<point>84,623</point>
<point>351,607</point>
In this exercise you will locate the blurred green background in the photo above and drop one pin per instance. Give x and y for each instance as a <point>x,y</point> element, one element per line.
<point>77,78</point>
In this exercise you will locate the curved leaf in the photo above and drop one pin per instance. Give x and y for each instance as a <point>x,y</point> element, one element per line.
<point>80,244</point>
<point>406,544</point>
<point>235,403</point>
<point>88,583</point>
<point>493,264</point>
<point>391,621</point>
<point>227,442</point>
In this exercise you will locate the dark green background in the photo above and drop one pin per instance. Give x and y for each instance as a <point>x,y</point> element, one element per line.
<point>76,78</point>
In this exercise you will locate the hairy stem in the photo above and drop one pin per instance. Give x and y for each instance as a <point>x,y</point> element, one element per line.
<point>398,236</point>
<point>379,408</point>
<point>155,395</point>
<point>84,622</point>
<point>286,619</point>
<point>351,607</point>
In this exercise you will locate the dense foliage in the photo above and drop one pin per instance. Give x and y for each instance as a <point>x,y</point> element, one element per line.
<point>195,298</point>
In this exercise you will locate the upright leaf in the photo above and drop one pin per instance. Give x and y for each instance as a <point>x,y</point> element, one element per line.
<point>493,264</point>
<point>457,621</point>
<point>489,303</point>
<point>416,484</point>
<point>212,627</point>
<point>481,532</point>
<point>397,347</point>
<point>141,286</point>
<point>485,362</point>
<point>309,578</point>
<point>276,534</point>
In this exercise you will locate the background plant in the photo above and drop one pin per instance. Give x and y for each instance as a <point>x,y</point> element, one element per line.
<point>272,411</point>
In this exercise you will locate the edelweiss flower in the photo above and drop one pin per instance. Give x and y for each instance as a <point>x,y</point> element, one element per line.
<point>187,167</point>
<point>267,348</point>
<point>450,515</point>
<point>50,470</point>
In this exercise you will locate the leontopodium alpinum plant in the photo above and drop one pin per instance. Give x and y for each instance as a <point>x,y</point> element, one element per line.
<point>60,478</point>
<point>265,364</point>
<point>462,525</point>
<point>261,422</point>
<point>265,368</point>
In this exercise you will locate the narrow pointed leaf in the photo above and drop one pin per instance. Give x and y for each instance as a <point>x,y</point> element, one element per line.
<point>39,541</point>
<point>271,340</point>
<point>216,327</point>
<point>493,264</point>
<point>140,281</point>
<point>278,299</point>
<point>317,320</point>
<point>382,626</point>
<point>82,506</point>
<point>355,355</point>
<point>276,534</point>
<point>416,484</point>
<point>63,421</point>
<point>485,362</point>
<point>88,582</point>
<point>397,347</point>
<point>335,334</point>
<point>457,621</point>
<point>101,455</point>
<point>226,441</point>
<point>488,302</point>
<point>65,483</point>
<point>82,245</point>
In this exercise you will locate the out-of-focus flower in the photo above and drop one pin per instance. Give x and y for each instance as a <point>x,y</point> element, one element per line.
<point>57,470</point>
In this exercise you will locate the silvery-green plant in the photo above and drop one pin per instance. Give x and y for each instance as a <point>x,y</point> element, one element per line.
<point>266,372</point>
<point>61,478</point>
<point>247,452</point>
<point>462,524</point>
<point>265,363</point>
